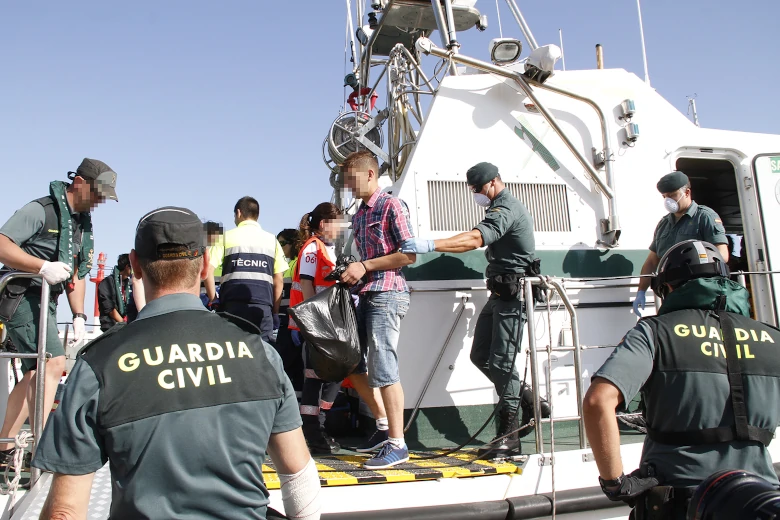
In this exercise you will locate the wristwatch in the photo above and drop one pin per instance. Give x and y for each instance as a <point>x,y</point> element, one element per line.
<point>80,315</point>
<point>610,486</point>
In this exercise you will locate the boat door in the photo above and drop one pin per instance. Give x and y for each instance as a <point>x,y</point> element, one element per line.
<point>721,180</point>
<point>766,171</point>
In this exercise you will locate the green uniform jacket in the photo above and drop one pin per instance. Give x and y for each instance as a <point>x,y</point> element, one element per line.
<point>677,360</point>
<point>508,232</point>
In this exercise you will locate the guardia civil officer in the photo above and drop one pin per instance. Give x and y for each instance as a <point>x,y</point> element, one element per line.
<point>686,221</point>
<point>183,402</point>
<point>508,232</point>
<point>253,266</point>
<point>710,378</point>
<point>51,236</point>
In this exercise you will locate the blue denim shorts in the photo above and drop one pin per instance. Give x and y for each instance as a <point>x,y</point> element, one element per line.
<point>379,316</point>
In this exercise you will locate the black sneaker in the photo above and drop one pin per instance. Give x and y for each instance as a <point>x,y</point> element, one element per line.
<point>377,440</point>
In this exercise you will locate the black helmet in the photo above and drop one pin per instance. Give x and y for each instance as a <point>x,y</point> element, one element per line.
<point>688,260</point>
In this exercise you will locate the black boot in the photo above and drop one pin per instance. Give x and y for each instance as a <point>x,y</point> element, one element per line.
<point>507,442</point>
<point>320,443</point>
<point>527,405</point>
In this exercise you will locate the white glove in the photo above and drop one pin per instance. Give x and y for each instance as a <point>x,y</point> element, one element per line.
<point>79,329</point>
<point>639,302</point>
<point>55,272</point>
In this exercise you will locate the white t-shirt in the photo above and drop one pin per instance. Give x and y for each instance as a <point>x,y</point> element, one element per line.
<point>308,261</point>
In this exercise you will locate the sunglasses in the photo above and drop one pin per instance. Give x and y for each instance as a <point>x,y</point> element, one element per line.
<point>283,243</point>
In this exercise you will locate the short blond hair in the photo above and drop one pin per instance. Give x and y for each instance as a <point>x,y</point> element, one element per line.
<point>363,160</point>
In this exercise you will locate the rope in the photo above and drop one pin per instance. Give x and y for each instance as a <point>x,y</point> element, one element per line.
<point>10,488</point>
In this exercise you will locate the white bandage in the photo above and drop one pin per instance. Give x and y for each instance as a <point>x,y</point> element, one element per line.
<point>301,493</point>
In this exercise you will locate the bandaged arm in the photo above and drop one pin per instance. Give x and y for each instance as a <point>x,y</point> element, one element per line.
<point>300,483</point>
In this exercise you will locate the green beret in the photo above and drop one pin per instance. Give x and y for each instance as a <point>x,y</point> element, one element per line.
<point>480,174</point>
<point>672,182</point>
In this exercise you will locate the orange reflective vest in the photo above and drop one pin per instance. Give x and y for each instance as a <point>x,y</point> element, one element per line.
<point>324,266</point>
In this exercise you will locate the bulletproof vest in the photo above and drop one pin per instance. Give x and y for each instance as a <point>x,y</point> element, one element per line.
<point>178,361</point>
<point>697,343</point>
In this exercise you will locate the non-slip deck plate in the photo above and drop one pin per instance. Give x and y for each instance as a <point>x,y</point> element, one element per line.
<point>347,470</point>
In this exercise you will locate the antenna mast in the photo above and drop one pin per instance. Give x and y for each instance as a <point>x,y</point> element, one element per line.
<point>692,109</point>
<point>642,36</point>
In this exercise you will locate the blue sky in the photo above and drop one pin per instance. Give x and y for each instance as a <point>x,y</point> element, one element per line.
<point>197,103</point>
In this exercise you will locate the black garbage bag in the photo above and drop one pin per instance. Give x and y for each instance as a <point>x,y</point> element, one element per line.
<point>328,323</point>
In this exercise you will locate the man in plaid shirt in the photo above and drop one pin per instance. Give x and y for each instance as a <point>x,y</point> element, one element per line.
<point>380,226</point>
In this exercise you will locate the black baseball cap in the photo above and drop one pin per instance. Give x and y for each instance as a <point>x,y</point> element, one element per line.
<point>170,226</point>
<point>103,176</point>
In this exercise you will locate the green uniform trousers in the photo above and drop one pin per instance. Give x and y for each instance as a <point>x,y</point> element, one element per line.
<point>498,333</point>
<point>23,329</point>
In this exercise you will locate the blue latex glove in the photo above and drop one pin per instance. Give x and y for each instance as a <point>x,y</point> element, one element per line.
<point>639,302</point>
<point>276,321</point>
<point>297,339</point>
<point>417,246</point>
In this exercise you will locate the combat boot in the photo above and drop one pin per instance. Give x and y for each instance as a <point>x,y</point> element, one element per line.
<point>320,443</point>
<point>527,405</point>
<point>507,442</point>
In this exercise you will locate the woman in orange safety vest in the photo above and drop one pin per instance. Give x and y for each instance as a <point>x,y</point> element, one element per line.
<point>317,258</point>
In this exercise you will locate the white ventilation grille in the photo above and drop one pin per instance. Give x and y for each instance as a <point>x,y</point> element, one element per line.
<point>452,207</point>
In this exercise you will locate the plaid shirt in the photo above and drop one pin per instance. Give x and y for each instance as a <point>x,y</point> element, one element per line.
<point>380,226</point>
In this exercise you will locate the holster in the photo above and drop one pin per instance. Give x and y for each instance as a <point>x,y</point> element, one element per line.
<point>12,296</point>
<point>662,503</point>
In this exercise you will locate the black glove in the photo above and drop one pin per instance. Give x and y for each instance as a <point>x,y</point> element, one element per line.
<point>630,487</point>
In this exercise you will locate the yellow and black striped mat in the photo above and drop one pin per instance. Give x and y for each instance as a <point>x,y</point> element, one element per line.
<point>347,470</point>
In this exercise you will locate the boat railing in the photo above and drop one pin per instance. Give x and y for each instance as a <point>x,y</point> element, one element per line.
<point>41,356</point>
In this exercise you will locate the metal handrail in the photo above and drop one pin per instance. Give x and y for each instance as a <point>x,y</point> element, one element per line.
<point>529,297</point>
<point>40,381</point>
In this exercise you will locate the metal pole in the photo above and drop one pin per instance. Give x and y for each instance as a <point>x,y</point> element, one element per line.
<point>563,56</point>
<point>436,365</point>
<point>599,56</point>
<point>359,13</point>
<point>523,26</point>
<point>442,25</point>
<point>529,309</point>
<point>575,336</point>
<point>40,372</point>
<point>642,36</point>
<point>452,36</point>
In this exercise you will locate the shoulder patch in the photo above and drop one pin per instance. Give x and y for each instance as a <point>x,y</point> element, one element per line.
<point>496,210</point>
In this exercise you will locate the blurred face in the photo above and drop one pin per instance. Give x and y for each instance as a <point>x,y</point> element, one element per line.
<point>333,229</point>
<point>357,181</point>
<point>212,238</point>
<point>85,195</point>
<point>286,247</point>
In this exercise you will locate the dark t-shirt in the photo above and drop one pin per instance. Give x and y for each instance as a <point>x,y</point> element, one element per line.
<point>183,425</point>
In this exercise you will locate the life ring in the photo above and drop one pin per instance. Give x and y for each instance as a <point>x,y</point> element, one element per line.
<point>353,102</point>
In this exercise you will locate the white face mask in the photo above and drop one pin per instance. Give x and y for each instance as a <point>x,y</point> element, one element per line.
<point>482,200</point>
<point>671,205</point>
